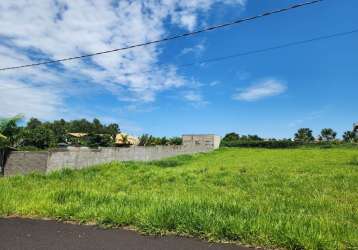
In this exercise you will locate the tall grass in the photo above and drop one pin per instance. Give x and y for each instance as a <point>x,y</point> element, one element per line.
<point>290,198</point>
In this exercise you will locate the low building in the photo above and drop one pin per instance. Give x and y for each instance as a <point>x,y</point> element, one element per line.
<point>123,139</point>
<point>202,139</point>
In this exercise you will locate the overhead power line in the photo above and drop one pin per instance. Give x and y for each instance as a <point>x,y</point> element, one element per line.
<point>210,28</point>
<point>242,54</point>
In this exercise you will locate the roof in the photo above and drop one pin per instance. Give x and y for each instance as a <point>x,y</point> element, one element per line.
<point>78,134</point>
<point>124,139</point>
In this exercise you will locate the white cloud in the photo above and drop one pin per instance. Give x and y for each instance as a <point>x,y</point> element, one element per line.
<point>214,83</point>
<point>19,99</point>
<point>195,98</point>
<point>63,28</point>
<point>260,90</point>
<point>197,50</point>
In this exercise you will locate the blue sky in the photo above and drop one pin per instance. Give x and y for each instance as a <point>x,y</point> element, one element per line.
<point>145,90</point>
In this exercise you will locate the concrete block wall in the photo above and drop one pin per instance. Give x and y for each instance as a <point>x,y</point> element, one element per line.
<point>76,158</point>
<point>209,140</point>
<point>84,157</point>
<point>25,163</point>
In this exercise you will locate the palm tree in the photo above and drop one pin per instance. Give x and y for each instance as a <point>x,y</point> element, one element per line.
<point>328,134</point>
<point>9,131</point>
<point>349,136</point>
<point>304,135</point>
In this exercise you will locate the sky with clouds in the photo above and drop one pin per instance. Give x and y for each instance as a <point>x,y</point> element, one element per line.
<point>147,90</point>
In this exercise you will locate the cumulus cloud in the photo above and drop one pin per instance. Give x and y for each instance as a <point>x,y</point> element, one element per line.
<point>42,30</point>
<point>260,90</point>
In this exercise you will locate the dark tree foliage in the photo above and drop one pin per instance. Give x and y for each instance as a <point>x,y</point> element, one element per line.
<point>175,141</point>
<point>304,135</point>
<point>59,129</point>
<point>80,126</point>
<point>350,136</point>
<point>39,137</point>
<point>231,137</point>
<point>112,129</point>
<point>98,140</point>
<point>250,138</point>
<point>327,134</point>
<point>42,135</point>
<point>33,123</point>
<point>9,131</point>
<point>149,140</point>
<point>235,139</point>
<point>262,144</point>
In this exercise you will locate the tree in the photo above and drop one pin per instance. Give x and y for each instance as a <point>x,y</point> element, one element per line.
<point>9,131</point>
<point>97,126</point>
<point>147,140</point>
<point>96,140</point>
<point>349,136</point>
<point>231,137</point>
<point>254,138</point>
<point>112,129</point>
<point>328,134</point>
<point>59,129</point>
<point>304,135</point>
<point>175,141</point>
<point>33,123</point>
<point>163,141</point>
<point>39,137</point>
<point>80,126</point>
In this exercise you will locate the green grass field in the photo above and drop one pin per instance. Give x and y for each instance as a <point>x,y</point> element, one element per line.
<point>289,198</point>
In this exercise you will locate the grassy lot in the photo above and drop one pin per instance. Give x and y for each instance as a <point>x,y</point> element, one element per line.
<point>295,199</point>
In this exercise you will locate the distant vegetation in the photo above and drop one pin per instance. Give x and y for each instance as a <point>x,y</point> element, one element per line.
<point>149,140</point>
<point>42,135</point>
<point>277,199</point>
<point>303,137</point>
<point>37,135</point>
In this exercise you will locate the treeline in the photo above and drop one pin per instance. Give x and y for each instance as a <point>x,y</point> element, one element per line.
<point>303,137</point>
<point>41,135</point>
<point>36,135</point>
<point>149,140</point>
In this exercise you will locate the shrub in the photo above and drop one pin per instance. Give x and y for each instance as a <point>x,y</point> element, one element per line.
<point>39,137</point>
<point>95,140</point>
<point>262,144</point>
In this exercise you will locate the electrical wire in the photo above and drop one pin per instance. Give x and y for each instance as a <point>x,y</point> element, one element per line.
<point>210,28</point>
<point>247,53</point>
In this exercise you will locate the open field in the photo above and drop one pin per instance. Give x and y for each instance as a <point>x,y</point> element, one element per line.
<point>293,198</point>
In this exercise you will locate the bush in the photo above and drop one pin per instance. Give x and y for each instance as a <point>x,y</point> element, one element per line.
<point>39,137</point>
<point>262,144</point>
<point>95,140</point>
